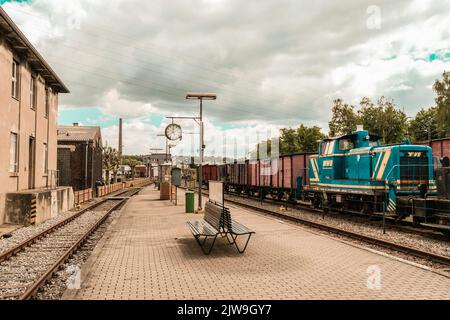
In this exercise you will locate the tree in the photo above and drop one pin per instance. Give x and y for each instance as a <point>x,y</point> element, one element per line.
<point>110,162</point>
<point>344,119</point>
<point>442,89</point>
<point>132,161</point>
<point>384,119</point>
<point>288,141</point>
<point>424,126</point>
<point>302,139</point>
<point>308,138</point>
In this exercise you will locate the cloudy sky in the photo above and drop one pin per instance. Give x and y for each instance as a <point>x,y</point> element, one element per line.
<point>273,63</point>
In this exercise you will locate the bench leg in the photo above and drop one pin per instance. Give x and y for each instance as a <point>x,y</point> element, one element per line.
<point>202,244</point>
<point>235,242</point>
<point>223,233</point>
<point>232,241</point>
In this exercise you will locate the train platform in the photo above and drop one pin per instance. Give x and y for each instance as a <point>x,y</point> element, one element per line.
<point>149,253</point>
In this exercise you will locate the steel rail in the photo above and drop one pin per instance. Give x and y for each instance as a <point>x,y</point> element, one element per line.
<point>13,251</point>
<point>31,290</point>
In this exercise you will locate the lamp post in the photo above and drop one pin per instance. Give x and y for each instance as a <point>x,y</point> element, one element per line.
<point>201,97</point>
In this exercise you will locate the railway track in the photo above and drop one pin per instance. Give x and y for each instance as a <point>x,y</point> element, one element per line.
<point>443,261</point>
<point>391,223</point>
<point>348,234</point>
<point>27,266</point>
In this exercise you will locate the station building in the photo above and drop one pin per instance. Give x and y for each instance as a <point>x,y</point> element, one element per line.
<point>153,161</point>
<point>29,101</point>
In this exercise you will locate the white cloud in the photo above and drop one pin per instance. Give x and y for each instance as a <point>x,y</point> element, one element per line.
<point>273,64</point>
<point>113,104</point>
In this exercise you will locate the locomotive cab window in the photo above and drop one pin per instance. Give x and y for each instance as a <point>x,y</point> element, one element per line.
<point>327,148</point>
<point>346,144</point>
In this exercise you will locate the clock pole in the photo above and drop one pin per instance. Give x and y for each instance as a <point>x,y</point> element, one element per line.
<point>202,146</point>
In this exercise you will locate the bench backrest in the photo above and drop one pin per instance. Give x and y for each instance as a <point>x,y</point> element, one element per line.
<point>213,215</point>
<point>217,216</point>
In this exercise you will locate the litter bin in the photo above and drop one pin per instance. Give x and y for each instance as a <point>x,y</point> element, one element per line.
<point>189,203</point>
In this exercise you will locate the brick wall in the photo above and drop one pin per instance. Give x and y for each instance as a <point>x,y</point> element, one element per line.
<point>83,172</point>
<point>64,168</point>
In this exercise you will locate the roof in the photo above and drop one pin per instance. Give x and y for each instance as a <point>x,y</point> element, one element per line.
<point>157,157</point>
<point>352,135</point>
<point>78,133</point>
<point>20,44</point>
<point>433,140</point>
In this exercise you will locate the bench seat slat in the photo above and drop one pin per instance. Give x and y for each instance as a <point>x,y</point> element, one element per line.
<point>239,229</point>
<point>203,228</point>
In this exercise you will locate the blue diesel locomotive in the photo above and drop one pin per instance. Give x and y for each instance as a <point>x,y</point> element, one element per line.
<point>356,173</point>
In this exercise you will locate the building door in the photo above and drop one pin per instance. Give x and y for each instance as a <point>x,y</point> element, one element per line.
<point>31,162</point>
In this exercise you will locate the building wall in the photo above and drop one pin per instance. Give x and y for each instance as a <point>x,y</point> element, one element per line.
<point>17,116</point>
<point>77,177</point>
<point>64,166</point>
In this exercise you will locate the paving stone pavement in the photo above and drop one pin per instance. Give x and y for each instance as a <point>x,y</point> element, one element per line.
<point>149,253</point>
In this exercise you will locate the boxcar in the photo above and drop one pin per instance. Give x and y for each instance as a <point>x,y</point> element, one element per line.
<point>209,172</point>
<point>278,177</point>
<point>441,147</point>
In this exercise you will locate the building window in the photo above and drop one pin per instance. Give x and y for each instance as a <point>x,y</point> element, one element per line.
<point>15,80</point>
<point>47,102</point>
<point>13,150</point>
<point>45,158</point>
<point>33,93</point>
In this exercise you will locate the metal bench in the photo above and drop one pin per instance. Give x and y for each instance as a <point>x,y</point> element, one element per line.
<point>209,227</point>
<point>229,227</point>
<point>235,229</point>
<point>217,220</point>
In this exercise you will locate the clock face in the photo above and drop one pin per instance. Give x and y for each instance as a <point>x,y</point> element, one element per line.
<point>173,132</point>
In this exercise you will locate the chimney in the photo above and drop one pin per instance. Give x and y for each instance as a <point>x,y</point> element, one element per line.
<point>75,124</point>
<point>120,137</point>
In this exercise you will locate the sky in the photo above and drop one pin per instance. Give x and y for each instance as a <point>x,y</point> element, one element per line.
<point>272,63</point>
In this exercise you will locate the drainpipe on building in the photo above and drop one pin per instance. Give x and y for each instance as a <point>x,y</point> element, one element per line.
<point>19,137</point>
<point>92,170</point>
<point>86,166</point>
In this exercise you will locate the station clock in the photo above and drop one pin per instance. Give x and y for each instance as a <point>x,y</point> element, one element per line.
<point>173,132</point>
